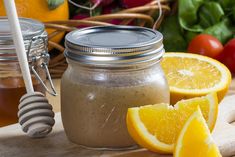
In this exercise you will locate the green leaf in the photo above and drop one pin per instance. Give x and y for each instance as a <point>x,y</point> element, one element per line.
<point>188,10</point>
<point>221,31</point>
<point>173,38</point>
<point>190,35</point>
<point>227,5</point>
<point>53,4</point>
<point>233,13</point>
<point>210,13</point>
<point>214,17</point>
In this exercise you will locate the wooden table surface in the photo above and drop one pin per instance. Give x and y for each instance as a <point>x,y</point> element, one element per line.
<point>55,100</point>
<point>15,143</point>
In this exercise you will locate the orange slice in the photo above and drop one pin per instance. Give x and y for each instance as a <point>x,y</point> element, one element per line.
<point>156,127</point>
<point>195,139</point>
<point>192,75</point>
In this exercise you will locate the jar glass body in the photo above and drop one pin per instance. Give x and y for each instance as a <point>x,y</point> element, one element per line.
<point>94,101</point>
<point>12,88</point>
<point>12,85</point>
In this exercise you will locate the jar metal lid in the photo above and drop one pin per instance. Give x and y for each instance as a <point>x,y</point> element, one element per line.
<point>105,45</point>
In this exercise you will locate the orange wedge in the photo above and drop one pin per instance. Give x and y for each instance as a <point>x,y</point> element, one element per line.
<point>192,75</point>
<point>195,139</point>
<point>156,127</point>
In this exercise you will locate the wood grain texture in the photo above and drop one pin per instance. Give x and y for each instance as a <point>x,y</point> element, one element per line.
<point>14,143</point>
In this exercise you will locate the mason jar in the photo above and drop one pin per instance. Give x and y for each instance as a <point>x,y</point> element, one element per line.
<point>12,86</point>
<point>109,70</point>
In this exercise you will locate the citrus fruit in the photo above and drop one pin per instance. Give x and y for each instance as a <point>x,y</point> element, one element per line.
<point>195,139</point>
<point>156,127</point>
<point>39,10</point>
<point>191,75</point>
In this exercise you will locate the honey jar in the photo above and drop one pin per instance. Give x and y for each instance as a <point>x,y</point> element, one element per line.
<point>11,81</point>
<point>110,69</point>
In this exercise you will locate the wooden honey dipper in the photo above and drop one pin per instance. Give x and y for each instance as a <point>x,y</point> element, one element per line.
<point>35,113</point>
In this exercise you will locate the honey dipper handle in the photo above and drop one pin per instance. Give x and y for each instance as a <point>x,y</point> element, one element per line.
<point>19,43</point>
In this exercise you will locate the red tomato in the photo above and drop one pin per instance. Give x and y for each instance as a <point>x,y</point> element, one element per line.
<point>206,45</point>
<point>228,55</point>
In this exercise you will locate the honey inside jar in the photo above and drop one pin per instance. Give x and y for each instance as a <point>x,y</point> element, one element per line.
<point>12,86</point>
<point>11,90</point>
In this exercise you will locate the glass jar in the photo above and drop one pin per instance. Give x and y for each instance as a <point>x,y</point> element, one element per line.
<point>11,81</point>
<point>109,70</point>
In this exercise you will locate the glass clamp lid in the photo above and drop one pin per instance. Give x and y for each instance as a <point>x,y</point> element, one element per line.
<point>35,40</point>
<point>105,45</point>
<point>29,28</point>
<point>34,36</point>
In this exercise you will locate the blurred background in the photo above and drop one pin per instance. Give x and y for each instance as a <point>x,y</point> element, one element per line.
<point>181,22</point>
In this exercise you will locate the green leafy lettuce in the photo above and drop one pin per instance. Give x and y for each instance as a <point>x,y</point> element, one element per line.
<point>171,31</point>
<point>215,17</point>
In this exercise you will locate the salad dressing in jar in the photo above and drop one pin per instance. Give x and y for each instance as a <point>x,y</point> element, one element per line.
<point>109,70</point>
<point>11,81</point>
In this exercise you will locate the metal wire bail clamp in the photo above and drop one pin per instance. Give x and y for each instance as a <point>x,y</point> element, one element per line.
<point>41,61</point>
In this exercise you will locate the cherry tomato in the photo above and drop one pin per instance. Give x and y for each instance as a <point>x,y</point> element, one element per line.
<point>206,45</point>
<point>228,55</point>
